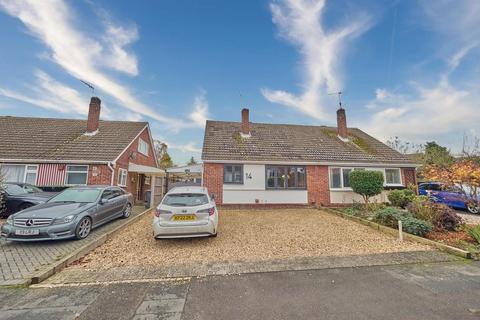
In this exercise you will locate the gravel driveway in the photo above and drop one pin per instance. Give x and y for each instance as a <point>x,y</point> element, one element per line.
<point>247,235</point>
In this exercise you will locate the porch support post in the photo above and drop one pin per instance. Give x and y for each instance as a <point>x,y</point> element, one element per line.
<point>152,191</point>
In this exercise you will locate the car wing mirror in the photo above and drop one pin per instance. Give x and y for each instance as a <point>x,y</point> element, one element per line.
<point>104,200</point>
<point>212,196</point>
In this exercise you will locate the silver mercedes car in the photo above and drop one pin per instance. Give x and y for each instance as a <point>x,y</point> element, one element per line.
<point>72,213</point>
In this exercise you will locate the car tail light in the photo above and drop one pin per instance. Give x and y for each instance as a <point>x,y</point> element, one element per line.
<point>158,212</point>
<point>210,211</point>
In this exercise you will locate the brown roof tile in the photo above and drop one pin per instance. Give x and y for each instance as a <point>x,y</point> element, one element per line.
<point>285,142</point>
<point>64,139</point>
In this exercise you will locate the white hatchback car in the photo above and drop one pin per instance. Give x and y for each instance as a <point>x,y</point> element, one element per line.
<point>186,212</point>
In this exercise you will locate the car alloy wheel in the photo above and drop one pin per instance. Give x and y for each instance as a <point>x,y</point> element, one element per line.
<point>83,228</point>
<point>127,211</point>
<point>472,208</point>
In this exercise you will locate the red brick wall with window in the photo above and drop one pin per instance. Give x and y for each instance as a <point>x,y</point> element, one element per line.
<point>139,159</point>
<point>317,185</point>
<point>213,180</point>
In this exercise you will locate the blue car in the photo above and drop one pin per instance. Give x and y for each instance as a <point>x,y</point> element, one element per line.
<point>451,196</point>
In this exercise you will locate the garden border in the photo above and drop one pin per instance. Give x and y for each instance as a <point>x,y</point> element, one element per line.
<point>394,232</point>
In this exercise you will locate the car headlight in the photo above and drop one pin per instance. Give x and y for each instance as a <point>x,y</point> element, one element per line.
<point>9,220</point>
<point>66,219</point>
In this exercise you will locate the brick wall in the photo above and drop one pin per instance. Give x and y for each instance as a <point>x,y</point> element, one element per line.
<point>213,180</point>
<point>317,185</point>
<point>409,176</point>
<point>140,159</point>
<point>99,174</point>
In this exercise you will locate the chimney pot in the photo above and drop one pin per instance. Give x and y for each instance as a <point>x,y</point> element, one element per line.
<point>342,124</point>
<point>93,115</point>
<point>245,122</point>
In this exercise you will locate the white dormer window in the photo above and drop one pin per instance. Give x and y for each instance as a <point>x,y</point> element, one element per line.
<point>142,147</point>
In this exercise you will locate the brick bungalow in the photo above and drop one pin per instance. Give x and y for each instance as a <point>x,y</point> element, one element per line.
<point>64,152</point>
<point>259,163</point>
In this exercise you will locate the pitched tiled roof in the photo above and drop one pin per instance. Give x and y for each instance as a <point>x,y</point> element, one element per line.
<point>64,139</point>
<point>285,142</point>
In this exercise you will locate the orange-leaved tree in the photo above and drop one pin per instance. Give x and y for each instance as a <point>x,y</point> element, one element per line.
<point>463,175</point>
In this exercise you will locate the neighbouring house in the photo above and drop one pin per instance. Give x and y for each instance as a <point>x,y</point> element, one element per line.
<point>189,175</point>
<point>260,163</point>
<point>65,152</point>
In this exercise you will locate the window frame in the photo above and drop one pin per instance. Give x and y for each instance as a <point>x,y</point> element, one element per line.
<point>285,183</point>
<point>383,170</point>
<point>25,171</point>
<point>120,174</point>
<point>144,143</point>
<point>392,184</point>
<point>76,165</point>
<point>241,173</point>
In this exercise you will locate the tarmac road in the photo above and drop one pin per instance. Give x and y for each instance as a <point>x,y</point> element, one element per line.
<point>416,291</point>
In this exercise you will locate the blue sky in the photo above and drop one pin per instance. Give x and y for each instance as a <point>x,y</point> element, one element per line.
<point>408,68</point>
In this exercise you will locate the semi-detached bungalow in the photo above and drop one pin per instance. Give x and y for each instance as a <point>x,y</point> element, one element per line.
<point>260,163</point>
<point>64,152</point>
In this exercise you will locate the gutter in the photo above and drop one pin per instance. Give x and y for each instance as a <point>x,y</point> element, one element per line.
<point>109,165</point>
<point>324,163</point>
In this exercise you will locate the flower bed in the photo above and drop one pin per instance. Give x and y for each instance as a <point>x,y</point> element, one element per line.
<point>422,217</point>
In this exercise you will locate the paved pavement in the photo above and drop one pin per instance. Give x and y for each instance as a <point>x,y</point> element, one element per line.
<point>21,260</point>
<point>77,274</point>
<point>415,291</point>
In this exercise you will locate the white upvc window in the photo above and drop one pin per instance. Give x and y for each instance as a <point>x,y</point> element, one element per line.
<point>76,175</point>
<point>122,177</point>
<point>393,177</point>
<point>339,177</point>
<point>23,173</point>
<point>142,146</point>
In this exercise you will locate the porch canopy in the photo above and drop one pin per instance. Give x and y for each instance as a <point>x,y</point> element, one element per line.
<point>156,185</point>
<point>132,167</point>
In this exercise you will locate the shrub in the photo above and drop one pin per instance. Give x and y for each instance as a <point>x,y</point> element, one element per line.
<point>439,215</point>
<point>422,208</point>
<point>401,198</point>
<point>445,218</point>
<point>366,183</point>
<point>416,226</point>
<point>390,217</point>
<point>474,232</point>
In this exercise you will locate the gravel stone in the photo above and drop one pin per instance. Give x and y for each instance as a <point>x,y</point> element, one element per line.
<point>247,235</point>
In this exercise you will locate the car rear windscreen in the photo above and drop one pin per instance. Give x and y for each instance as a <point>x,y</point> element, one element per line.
<point>185,199</point>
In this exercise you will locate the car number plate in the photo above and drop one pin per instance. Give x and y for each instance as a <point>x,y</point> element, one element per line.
<point>27,232</point>
<point>186,217</point>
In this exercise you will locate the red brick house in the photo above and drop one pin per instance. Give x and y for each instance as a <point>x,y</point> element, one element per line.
<point>260,163</point>
<point>64,152</point>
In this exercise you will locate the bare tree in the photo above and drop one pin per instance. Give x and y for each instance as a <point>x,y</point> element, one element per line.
<point>404,147</point>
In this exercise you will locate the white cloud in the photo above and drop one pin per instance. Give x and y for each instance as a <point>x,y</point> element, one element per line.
<point>200,110</point>
<point>117,37</point>
<point>81,55</point>
<point>446,109</point>
<point>431,112</point>
<point>51,94</point>
<point>300,22</point>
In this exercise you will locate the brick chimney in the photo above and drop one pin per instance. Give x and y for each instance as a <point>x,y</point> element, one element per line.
<point>245,122</point>
<point>93,116</point>
<point>342,124</point>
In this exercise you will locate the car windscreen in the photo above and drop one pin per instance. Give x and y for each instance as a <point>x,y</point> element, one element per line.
<point>77,195</point>
<point>185,199</point>
<point>14,189</point>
